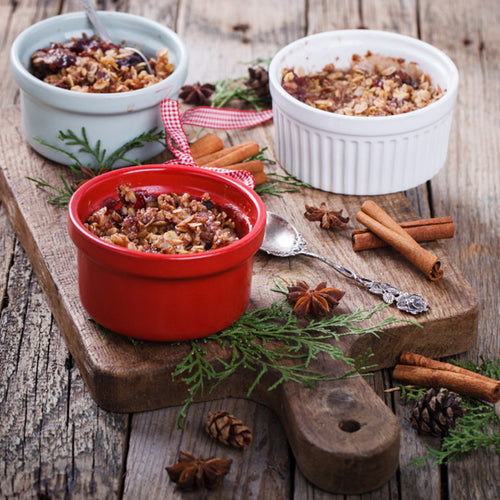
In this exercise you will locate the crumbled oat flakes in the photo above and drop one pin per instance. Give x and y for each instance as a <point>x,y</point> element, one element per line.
<point>373,85</point>
<point>169,223</point>
<point>89,65</point>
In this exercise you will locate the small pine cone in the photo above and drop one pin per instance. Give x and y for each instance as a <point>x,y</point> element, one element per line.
<point>435,412</point>
<point>259,81</point>
<point>228,429</point>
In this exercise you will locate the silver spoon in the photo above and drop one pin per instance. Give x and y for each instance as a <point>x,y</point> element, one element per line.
<point>283,240</point>
<point>103,34</point>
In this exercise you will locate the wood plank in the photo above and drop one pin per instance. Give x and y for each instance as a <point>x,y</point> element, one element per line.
<point>263,471</point>
<point>469,187</point>
<point>158,441</point>
<point>55,440</point>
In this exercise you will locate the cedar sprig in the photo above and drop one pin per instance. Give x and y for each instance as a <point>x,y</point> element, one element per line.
<point>295,346</point>
<point>104,161</point>
<point>261,156</point>
<point>477,429</point>
<point>279,184</point>
<point>63,194</point>
<point>234,89</point>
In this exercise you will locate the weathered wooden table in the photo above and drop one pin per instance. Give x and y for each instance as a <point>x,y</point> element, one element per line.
<point>57,442</point>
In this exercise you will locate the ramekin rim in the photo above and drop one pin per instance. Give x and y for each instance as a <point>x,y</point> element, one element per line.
<point>450,93</point>
<point>23,72</point>
<point>246,240</point>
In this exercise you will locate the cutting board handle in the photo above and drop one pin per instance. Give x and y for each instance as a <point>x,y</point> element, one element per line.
<point>344,438</point>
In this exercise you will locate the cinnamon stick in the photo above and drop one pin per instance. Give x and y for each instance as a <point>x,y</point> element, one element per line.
<point>252,166</point>
<point>228,156</point>
<point>255,167</point>
<point>385,227</point>
<point>468,385</point>
<point>205,145</point>
<point>260,178</point>
<point>421,230</point>
<point>412,358</point>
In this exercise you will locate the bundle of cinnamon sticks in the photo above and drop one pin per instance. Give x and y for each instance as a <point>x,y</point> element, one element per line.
<point>421,230</point>
<point>382,225</point>
<point>210,151</point>
<point>426,372</point>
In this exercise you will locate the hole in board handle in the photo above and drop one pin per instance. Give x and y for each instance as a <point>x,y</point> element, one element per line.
<point>349,425</point>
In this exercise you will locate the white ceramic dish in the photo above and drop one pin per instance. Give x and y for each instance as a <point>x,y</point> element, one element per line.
<point>114,119</point>
<point>361,155</point>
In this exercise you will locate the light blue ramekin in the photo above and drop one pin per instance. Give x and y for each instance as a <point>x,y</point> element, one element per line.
<point>112,119</point>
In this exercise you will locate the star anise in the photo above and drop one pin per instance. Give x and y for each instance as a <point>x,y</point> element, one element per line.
<point>191,473</point>
<point>197,94</point>
<point>313,301</point>
<point>330,219</point>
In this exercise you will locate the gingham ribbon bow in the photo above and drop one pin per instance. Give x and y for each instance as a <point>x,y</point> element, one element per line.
<point>211,118</point>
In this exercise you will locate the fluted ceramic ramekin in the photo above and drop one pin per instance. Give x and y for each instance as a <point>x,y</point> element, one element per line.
<point>359,155</point>
<point>112,119</point>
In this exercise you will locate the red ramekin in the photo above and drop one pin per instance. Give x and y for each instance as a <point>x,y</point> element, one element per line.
<point>166,297</point>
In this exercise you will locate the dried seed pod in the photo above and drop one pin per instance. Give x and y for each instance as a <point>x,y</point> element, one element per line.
<point>316,302</point>
<point>228,429</point>
<point>329,219</point>
<point>191,473</point>
<point>197,94</point>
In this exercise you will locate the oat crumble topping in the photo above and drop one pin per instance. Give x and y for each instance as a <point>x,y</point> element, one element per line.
<point>90,65</point>
<point>373,85</point>
<point>169,223</point>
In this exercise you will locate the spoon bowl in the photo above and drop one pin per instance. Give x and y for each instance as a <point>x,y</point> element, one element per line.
<point>282,239</point>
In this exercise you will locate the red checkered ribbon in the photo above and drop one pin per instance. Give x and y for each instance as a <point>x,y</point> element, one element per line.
<point>224,118</point>
<point>211,118</point>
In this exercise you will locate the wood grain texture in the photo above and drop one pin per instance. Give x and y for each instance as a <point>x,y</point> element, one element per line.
<point>469,185</point>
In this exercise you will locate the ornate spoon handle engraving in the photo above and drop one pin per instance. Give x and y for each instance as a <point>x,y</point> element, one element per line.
<point>409,302</point>
<point>283,240</point>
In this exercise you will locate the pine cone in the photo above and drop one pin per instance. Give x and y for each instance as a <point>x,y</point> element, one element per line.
<point>259,81</point>
<point>228,429</point>
<point>435,412</point>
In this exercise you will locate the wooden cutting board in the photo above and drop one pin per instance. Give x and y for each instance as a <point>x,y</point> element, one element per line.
<point>345,439</point>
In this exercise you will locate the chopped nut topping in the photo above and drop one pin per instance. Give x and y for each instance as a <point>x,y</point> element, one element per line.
<point>168,223</point>
<point>373,85</point>
<point>90,65</point>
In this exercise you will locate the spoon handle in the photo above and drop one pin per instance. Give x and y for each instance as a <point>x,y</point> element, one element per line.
<point>94,19</point>
<point>408,302</point>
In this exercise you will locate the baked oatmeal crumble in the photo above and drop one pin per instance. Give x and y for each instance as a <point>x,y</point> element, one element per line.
<point>90,65</point>
<point>373,85</point>
<point>169,223</point>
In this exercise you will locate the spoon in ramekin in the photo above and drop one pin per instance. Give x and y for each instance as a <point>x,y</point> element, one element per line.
<point>103,34</point>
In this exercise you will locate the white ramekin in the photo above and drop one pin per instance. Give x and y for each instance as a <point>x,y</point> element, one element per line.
<point>112,119</point>
<point>361,155</point>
